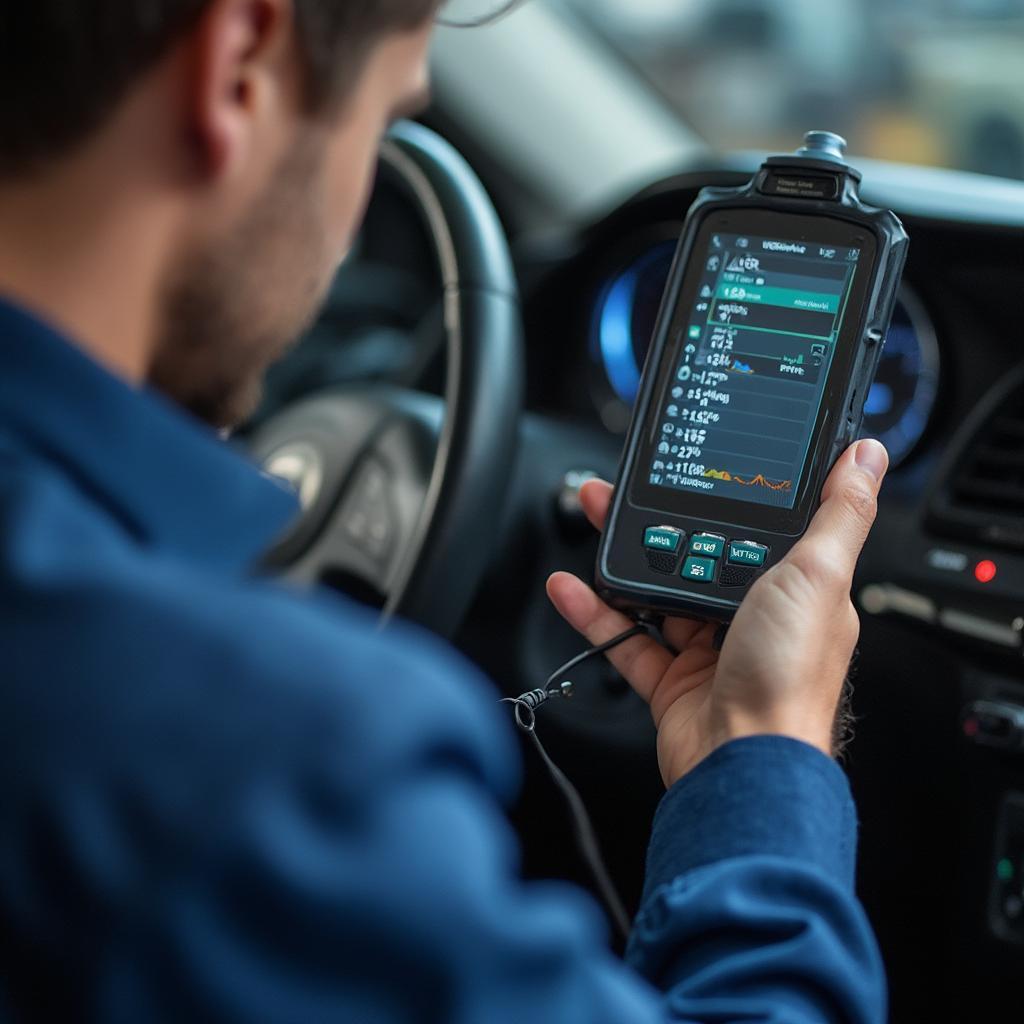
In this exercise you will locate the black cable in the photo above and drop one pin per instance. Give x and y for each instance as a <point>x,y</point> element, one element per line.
<point>583,828</point>
<point>594,651</point>
<point>586,840</point>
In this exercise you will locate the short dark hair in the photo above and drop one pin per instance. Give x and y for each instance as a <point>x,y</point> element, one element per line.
<point>66,64</point>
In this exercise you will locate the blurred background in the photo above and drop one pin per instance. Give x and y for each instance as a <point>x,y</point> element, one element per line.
<point>934,82</point>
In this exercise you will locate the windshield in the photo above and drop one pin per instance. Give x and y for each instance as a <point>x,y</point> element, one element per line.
<point>937,82</point>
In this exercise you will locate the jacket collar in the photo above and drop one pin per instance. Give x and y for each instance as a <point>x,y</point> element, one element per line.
<point>170,481</point>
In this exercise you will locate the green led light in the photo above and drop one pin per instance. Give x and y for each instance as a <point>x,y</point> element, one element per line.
<point>1004,869</point>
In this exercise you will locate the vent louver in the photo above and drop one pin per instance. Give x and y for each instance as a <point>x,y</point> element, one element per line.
<point>983,496</point>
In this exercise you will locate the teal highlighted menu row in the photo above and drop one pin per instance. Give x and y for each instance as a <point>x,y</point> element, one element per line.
<point>658,538</point>
<point>789,298</point>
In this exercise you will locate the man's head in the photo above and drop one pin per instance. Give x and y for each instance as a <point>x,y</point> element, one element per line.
<point>255,125</point>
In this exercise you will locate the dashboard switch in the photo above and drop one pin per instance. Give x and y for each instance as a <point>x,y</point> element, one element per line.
<point>1006,892</point>
<point>882,598</point>
<point>977,628</point>
<point>994,723</point>
<point>570,512</point>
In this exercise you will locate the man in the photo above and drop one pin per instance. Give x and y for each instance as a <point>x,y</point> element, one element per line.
<point>223,800</point>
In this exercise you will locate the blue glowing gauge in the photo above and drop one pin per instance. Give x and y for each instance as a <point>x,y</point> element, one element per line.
<point>626,315</point>
<point>898,406</point>
<point>900,402</point>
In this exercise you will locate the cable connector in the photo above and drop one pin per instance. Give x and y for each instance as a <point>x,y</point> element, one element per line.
<point>527,703</point>
<point>526,706</point>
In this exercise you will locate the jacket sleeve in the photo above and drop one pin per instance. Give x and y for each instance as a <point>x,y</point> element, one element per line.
<point>359,867</point>
<point>749,911</point>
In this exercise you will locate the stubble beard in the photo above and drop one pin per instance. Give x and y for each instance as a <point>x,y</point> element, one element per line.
<point>233,309</point>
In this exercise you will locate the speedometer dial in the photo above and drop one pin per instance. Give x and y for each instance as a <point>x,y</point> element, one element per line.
<point>902,398</point>
<point>626,315</point>
<point>898,406</point>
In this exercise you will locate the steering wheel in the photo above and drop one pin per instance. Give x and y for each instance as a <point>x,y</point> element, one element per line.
<point>401,491</point>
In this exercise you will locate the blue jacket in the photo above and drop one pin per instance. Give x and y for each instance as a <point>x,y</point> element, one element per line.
<point>224,800</point>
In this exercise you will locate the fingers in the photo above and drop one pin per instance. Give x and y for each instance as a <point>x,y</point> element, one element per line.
<point>595,499</point>
<point>641,660</point>
<point>830,548</point>
<point>680,632</point>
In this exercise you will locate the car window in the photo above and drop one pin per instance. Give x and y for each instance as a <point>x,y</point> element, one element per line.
<point>937,82</point>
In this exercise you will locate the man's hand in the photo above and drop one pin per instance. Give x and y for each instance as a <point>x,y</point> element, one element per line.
<point>782,667</point>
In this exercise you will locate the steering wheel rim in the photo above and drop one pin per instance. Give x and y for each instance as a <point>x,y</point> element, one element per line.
<point>324,443</point>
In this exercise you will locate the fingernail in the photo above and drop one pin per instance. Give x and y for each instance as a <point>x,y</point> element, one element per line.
<point>872,457</point>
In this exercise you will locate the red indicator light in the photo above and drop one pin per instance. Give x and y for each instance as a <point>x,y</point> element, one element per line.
<point>985,572</point>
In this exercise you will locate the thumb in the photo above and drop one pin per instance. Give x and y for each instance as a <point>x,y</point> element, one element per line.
<point>829,550</point>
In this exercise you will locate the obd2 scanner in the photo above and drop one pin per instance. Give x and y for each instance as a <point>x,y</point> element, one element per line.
<point>766,345</point>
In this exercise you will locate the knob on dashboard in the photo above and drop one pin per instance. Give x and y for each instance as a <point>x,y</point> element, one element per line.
<point>994,723</point>
<point>567,502</point>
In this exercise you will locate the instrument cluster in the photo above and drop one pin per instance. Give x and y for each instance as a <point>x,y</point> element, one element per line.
<point>898,407</point>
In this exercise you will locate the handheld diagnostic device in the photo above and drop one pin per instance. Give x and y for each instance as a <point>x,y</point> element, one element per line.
<point>767,342</point>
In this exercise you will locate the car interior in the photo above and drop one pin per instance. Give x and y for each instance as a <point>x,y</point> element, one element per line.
<point>481,349</point>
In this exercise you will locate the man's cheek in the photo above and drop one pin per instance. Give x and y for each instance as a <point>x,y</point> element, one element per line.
<point>350,217</point>
<point>351,189</point>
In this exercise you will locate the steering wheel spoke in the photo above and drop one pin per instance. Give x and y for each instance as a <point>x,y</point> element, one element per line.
<point>400,489</point>
<point>361,463</point>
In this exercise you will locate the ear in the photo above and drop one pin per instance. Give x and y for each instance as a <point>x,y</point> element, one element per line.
<point>239,67</point>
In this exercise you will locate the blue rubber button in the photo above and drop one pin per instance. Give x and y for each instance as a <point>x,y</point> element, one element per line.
<point>746,552</point>
<point>661,538</point>
<point>707,544</point>
<point>700,570</point>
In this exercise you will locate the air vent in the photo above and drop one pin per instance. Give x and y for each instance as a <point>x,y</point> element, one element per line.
<point>991,479</point>
<point>982,497</point>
